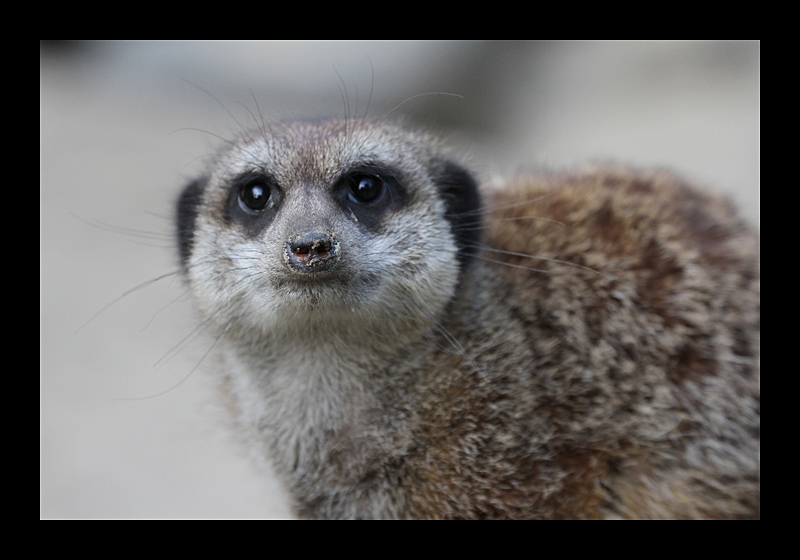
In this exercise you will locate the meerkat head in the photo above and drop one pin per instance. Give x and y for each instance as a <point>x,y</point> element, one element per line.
<point>323,220</point>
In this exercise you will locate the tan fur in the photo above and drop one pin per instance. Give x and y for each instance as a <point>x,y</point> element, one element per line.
<point>635,391</point>
<point>598,358</point>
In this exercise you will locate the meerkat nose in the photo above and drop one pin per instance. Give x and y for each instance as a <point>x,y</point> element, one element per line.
<point>311,251</point>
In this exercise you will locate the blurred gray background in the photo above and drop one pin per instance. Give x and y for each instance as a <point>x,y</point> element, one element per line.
<point>130,426</point>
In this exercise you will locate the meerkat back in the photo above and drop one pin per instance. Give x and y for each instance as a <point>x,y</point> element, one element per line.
<point>398,341</point>
<point>640,299</point>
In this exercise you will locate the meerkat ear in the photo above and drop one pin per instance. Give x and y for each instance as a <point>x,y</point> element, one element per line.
<point>186,215</point>
<point>459,190</point>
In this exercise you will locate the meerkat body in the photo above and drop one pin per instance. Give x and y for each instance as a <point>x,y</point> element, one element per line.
<point>399,343</point>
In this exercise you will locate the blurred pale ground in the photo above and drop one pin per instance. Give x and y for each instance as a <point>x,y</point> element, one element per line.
<point>119,137</point>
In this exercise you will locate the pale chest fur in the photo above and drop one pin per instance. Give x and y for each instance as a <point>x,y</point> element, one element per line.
<point>320,419</point>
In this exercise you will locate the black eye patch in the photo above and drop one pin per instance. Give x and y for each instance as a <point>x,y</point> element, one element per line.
<point>369,192</point>
<point>253,200</point>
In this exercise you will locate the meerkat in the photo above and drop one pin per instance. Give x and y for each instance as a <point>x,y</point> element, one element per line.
<point>397,340</point>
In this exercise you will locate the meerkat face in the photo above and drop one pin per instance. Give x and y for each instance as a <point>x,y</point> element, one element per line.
<point>326,219</point>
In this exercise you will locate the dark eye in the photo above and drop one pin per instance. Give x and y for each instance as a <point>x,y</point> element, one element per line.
<point>366,188</point>
<point>255,195</point>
